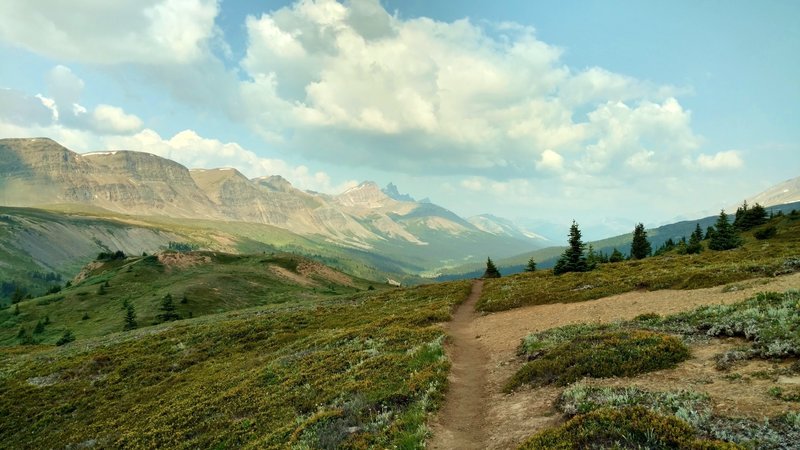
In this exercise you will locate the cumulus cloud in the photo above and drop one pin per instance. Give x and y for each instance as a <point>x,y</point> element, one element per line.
<point>726,160</point>
<point>122,31</point>
<point>195,151</point>
<point>448,97</point>
<point>65,89</point>
<point>109,119</point>
<point>21,109</point>
<point>550,160</point>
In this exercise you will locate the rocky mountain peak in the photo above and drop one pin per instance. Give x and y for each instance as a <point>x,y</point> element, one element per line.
<point>394,193</point>
<point>366,194</point>
<point>275,183</point>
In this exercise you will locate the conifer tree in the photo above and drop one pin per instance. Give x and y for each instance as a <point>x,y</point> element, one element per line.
<point>640,246</point>
<point>572,260</point>
<point>724,237</point>
<point>616,256</point>
<point>747,218</point>
<point>491,270</point>
<point>531,267</point>
<point>130,318</point>
<point>39,328</point>
<point>695,241</point>
<point>168,308</point>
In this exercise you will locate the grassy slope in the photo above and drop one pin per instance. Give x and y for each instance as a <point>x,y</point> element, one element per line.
<point>359,370</point>
<point>709,268</point>
<point>210,282</point>
<point>547,257</point>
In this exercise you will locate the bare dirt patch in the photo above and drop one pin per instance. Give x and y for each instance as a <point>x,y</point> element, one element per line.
<point>290,276</point>
<point>509,419</point>
<point>309,268</point>
<point>182,260</point>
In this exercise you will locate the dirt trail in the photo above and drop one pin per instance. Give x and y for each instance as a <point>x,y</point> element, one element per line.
<point>477,414</point>
<point>461,422</point>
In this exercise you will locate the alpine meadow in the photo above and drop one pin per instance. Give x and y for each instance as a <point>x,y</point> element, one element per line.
<point>379,224</point>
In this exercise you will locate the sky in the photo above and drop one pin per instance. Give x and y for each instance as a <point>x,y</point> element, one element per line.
<point>606,112</point>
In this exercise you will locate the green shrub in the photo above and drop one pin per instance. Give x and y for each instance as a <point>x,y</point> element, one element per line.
<point>765,233</point>
<point>632,427</point>
<point>65,338</point>
<point>599,354</point>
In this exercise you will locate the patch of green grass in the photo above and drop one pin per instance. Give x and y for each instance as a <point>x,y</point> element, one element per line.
<point>755,259</point>
<point>599,354</point>
<point>358,371</point>
<point>631,427</point>
<point>787,394</point>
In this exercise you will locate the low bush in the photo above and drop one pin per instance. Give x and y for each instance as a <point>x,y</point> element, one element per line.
<point>631,427</point>
<point>765,233</point>
<point>599,354</point>
<point>693,408</point>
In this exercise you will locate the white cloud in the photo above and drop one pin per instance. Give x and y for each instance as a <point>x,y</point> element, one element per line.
<point>21,109</point>
<point>108,119</point>
<point>726,160</point>
<point>550,160</point>
<point>422,95</point>
<point>122,31</point>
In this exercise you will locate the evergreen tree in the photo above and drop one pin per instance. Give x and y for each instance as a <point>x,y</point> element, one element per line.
<point>695,241</point>
<point>531,267</point>
<point>130,318</point>
<point>18,296</point>
<point>747,218</point>
<point>65,338</point>
<point>168,309</point>
<point>724,237</point>
<point>592,258</point>
<point>616,256</point>
<point>47,320</point>
<point>572,260</point>
<point>640,246</point>
<point>709,233</point>
<point>491,270</point>
<point>39,328</point>
<point>16,309</point>
<point>668,245</point>
<point>85,316</point>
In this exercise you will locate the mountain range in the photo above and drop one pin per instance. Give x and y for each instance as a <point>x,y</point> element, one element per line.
<point>40,172</point>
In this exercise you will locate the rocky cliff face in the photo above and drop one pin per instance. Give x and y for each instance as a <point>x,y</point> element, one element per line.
<point>36,172</point>
<point>40,171</point>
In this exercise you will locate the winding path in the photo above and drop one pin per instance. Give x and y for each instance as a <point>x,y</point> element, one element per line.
<point>461,423</point>
<point>477,415</point>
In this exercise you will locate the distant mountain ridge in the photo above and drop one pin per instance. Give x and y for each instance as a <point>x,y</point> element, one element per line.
<point>780,194</point>
<point>40,172</point>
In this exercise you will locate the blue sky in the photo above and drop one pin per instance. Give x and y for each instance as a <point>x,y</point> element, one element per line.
<point>606,112</point>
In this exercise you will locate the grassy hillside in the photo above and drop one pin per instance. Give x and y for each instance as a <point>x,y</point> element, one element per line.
<point>40,249</point>
<point>200,283</point>
<point>756,258</point>
<point>359,370</point>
